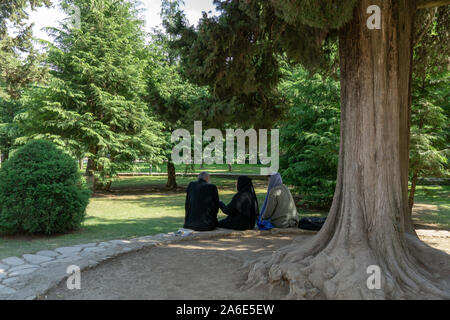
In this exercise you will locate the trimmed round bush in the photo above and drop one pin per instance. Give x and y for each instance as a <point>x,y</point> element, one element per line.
<point>41,191</point>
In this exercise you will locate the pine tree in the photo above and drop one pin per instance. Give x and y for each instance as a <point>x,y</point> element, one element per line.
<point>20,65</point>
<point>429,146</point>
<point>430,98</point>
<point>19,61</point>
<point>310,136</point>
<point>177,101</point>
<point>94,104</point>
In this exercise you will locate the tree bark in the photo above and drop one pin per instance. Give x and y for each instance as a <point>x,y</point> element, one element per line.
<point>426,4</point>
<point>369,222</point>
<point>171,176</point>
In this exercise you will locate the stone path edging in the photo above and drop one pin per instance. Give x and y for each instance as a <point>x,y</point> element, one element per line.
<point>32,275</point>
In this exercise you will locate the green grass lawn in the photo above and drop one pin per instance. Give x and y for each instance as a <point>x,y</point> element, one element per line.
<point>213,168</point>
<point>432,207</point>
<point>140,206</point>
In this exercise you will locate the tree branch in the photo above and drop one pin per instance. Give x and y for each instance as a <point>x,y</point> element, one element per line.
<point>426,4</point>
<point>427,27</point>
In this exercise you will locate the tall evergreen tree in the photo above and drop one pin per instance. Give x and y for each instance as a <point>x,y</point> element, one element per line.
<point>369,222</point>
<point>430,98</point>
<point>19,60</point>
<point>177,101</point>
<point>310,136</point>
<point>429,146</point>
<point>20,65</point>
<point>94,105</point>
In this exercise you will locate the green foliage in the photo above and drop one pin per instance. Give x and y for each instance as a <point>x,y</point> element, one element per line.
<point>19,61</point>
<point>429,138</point>
<point>41,191</point>
<point>238,53</point>
<point>230,54</point>
<point>310,136</point>
<point>20,65</point>
<point>430,131</point>
<point>432,48</point>
<point>331,14</point>
<point>94,105</point>
<point>9,130</point>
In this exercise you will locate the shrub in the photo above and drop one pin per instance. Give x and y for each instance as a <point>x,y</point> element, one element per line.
<point>41,191</point>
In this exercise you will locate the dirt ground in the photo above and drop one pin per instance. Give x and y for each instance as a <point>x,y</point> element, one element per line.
<point>190,270</point>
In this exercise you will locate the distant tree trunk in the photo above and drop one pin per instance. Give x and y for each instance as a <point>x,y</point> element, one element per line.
<point>412,192</point>
<point>103,184</point>
<point>93,168</point>
<point>89,166</point>
<point>171,175</point>
<point>5,155</point>
<point>2,158</point>
<point>80,163</point>
<point>369,222</point>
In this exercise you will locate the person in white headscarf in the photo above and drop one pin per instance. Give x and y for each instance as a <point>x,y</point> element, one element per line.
<point>279,206</point>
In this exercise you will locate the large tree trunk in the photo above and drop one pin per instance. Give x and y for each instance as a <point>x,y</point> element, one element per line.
<point>369,222</point>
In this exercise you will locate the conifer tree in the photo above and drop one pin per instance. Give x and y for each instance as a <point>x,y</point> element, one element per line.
<point>20,65</point>
<point>94,105</point>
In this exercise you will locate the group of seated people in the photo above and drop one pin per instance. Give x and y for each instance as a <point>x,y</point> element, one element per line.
<point>202,206</point>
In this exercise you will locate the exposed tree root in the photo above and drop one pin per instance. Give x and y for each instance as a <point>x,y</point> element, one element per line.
<point>336,273</point>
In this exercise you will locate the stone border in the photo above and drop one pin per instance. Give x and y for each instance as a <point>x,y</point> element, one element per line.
<point>32,275</point>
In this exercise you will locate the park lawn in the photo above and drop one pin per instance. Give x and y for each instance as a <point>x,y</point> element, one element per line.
<point>121,215</point>
<point>139,206</point>
<point>213,168</point>
<point>432,207</point>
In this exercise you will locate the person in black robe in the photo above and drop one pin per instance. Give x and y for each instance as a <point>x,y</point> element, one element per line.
<point>243,208</point>
<point>202,205</point>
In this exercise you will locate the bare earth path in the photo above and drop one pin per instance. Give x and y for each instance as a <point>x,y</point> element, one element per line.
<point>197,269</point>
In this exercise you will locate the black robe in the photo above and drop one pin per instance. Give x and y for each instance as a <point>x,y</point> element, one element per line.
<point>202,206</point>
<point>243,208</point>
